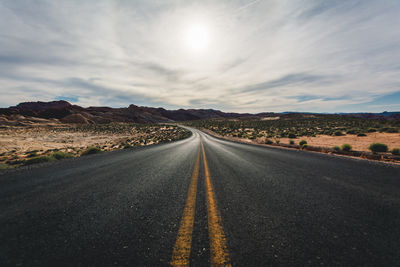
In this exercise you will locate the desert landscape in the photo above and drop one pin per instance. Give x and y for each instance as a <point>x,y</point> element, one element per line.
<point>34,132</point>
<point>353,135</point>
<point>39,142</point>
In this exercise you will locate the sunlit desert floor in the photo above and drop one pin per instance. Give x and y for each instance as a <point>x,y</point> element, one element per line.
<point>392,140</point>
<point>20,143</point>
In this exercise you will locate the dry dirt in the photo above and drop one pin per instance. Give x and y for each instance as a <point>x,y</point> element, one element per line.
<point>25,140</point>
<point>22,142</point>
<point>392,140</point>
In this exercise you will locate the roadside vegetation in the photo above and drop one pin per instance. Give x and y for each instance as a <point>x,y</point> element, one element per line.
<point>317,132</point>
<point>80,140</point>
<point>294,126</point>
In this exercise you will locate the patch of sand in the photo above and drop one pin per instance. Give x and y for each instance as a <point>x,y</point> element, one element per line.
<point>392,140</point>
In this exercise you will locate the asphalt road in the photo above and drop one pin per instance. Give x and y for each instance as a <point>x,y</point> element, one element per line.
<point>201,202</point>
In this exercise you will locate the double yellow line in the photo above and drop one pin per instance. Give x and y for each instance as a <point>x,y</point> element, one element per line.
<point>219,255</point>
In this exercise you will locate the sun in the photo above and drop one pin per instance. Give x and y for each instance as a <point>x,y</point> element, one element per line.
<point>197,37</point>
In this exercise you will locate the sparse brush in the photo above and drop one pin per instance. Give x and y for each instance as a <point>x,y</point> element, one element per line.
<point>346,147</point>
<point>61,155</point>
<point>395,151</point>
<point>361,135</point>
<point>392,130</point>
<point>303,142</point>
<point>4,166</point>
<point>291,142</point>
<point>338,133</point>
<point>126,146</point>
<point>378,147</point>
<point>268,141</point>
<point>91,150</point>
<point>336,148</point>
<point>32,154</point>
<point>39,159</point>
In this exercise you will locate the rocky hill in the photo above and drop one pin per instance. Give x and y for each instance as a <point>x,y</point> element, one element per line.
<point>63,111</point>
<point>68,113</point>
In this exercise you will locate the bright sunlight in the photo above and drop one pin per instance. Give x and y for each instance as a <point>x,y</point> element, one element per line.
<point>197,37</point>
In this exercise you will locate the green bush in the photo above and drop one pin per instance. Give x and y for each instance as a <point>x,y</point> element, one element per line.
<point>338,133</point>
<point>268,141</point>
<point>40,159</point>
<point>91,150</point>
<point>304,146</point>
<point>346,147</point>
<point>291,135</point>
<point>371,130</point>
<point>336,148</point>
<point>395,151</point>
<point>361,134</point>
<point>61,155</point>
<point>352,131</point>
<point>378,147</point>
<point>392,130</point>
<point>303,142</point>
<point>291,142</point>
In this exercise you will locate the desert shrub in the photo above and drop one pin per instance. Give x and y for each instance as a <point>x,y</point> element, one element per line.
<point>303,142</point>
<point>291,135</point>
<point>361,135</point>
<point>336,148</point>
<point>126,146</point>
<point>352,131</point>
<point>371,130</point>
<point>91,150</point>
<point>268,141</point>
<point>38,160</point>
<point>32,154</point>
<point>291,142</point>
<point>338,133</point>
<point>378,147</point>
<point>395,151</point>
<point>4,166</point>
<point>61,155</point>
<point>391,130</point>
<point>304,146</point>
<point>346,147</point>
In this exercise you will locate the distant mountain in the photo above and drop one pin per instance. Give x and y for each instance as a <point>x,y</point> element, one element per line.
<point>68,113</point>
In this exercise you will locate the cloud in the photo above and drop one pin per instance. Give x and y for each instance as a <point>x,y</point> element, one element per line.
<point>263,55</point>
<point>289,80</point>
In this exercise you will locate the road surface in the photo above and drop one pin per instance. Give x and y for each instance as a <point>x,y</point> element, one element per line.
<point>201,201</point>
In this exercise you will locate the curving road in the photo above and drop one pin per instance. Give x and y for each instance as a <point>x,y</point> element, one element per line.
<point>201,201</point>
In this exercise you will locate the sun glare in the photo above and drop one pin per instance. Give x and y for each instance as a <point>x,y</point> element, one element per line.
<point>197,37</point>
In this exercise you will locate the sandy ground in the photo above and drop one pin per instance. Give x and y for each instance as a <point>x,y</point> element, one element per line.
<point>392,140</point>
<point>26,140</point>
<point>17,143</point>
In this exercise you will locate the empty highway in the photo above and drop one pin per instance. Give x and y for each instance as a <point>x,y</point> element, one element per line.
<point>201,201</point>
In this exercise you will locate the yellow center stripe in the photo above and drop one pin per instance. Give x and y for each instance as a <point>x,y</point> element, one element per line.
<point>181,253</point>
<point>219,255</point>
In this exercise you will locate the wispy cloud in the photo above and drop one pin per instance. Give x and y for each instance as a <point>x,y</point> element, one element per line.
<point>263,55</point>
